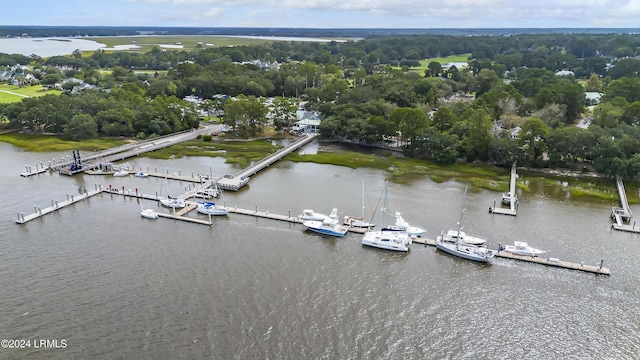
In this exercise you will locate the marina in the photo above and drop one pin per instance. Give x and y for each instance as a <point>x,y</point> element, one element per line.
<point>182,215</point>
<point>108,268</point>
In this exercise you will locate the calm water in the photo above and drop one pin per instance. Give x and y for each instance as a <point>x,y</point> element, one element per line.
<point>114,285</point>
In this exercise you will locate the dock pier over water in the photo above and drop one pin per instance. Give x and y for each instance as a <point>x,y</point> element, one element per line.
<point>509,197</point>
<point>622,215</point>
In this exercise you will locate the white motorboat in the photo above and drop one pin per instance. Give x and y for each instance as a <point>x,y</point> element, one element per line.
<point>453,236</point>
<point>309,214</point>
<point>173,203</point>
<point>385,239</point>
<point>328,226</point>
<point>121,173</point>
<point>210,208</point>
<point>141,174</point>
<point>460,249</point>
<point>521,248</point>
<point>402,225</point>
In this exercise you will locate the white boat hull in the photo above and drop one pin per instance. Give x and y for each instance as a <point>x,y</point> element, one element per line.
<point>452,236</point>
<point>173,203</point>
<point>387,240</point>
<point>212,209</point>
<point>148,214</point>
<point>522,248</point>
<point>469,252</point>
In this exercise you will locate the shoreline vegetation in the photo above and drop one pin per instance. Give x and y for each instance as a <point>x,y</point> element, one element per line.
<point>572,185</point>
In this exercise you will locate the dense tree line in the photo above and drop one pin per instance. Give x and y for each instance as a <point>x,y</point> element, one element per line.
<point>507,105</point>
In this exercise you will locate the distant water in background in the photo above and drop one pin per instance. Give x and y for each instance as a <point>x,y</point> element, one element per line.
<point>114,285</point>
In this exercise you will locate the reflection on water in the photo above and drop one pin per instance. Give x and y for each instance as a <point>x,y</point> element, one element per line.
<point>115,285</point>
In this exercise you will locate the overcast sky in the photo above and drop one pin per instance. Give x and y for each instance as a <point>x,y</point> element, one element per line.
<point>327,13</point>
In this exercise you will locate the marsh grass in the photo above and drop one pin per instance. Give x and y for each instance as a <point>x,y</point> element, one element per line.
<point>235,152</point>
<point>50,143</point>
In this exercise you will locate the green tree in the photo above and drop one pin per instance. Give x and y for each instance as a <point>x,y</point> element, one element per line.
<point>533,136</point>
<point>81,127</point>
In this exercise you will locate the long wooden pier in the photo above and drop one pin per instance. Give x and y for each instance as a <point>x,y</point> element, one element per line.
<point>622,215</point>
<point>237,181</point>
<point>511,197</point>
<point>92,160</point>
<point>55,206</point>
<point>548,261</point>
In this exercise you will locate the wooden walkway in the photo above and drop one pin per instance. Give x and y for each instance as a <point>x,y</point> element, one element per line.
<point>55,206</point>
<point>548,261</point>
<point>240,179</point>
<point>622,215</point>
<point>511,195</point>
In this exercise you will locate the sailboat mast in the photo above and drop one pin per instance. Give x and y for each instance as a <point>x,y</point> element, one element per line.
<point>461,213</point>
<point>362,200</point>
<point>384,203</point>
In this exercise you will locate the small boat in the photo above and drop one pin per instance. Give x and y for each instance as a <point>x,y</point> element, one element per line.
<point>308,214</point>
<point>207,193</point>
<point>148,213</point>
<point>521,248</point>
<point>210,208</point>
<point>358,221</point>
<point>329,226</point>
<point>455,235</point>
<point>460,249</point>
<point>172,202</point>
<point>385,239</point>
<point>121,173</point>
<point>506,198</point>
<point>141,174</point>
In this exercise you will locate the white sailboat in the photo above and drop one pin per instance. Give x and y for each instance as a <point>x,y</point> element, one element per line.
<point>460,249</point>
<point>211,208</point>
<point>171,202</point>
<point>148,213</point>
<point>385,239</point>
<point>358,221</point>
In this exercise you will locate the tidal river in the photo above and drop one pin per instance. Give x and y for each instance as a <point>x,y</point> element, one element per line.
<point>97,281</point>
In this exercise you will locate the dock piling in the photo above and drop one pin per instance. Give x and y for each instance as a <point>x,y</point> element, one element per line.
<point>601,263</point>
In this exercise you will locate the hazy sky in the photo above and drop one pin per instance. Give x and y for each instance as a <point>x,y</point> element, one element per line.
<point>327,13</point>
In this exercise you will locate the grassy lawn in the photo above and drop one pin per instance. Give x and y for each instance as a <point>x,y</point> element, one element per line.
<point>54,143</point>
<point>8,92</point>
<point>442,60</point>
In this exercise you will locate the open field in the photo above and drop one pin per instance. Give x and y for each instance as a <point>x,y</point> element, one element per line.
<point>11,93</point>
<point>442,60</point>
<point>185,42</point>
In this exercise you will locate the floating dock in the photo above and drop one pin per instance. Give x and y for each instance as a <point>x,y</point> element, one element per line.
<point>511,197</point>
<point>622,215</point>
<point>55,205</point>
